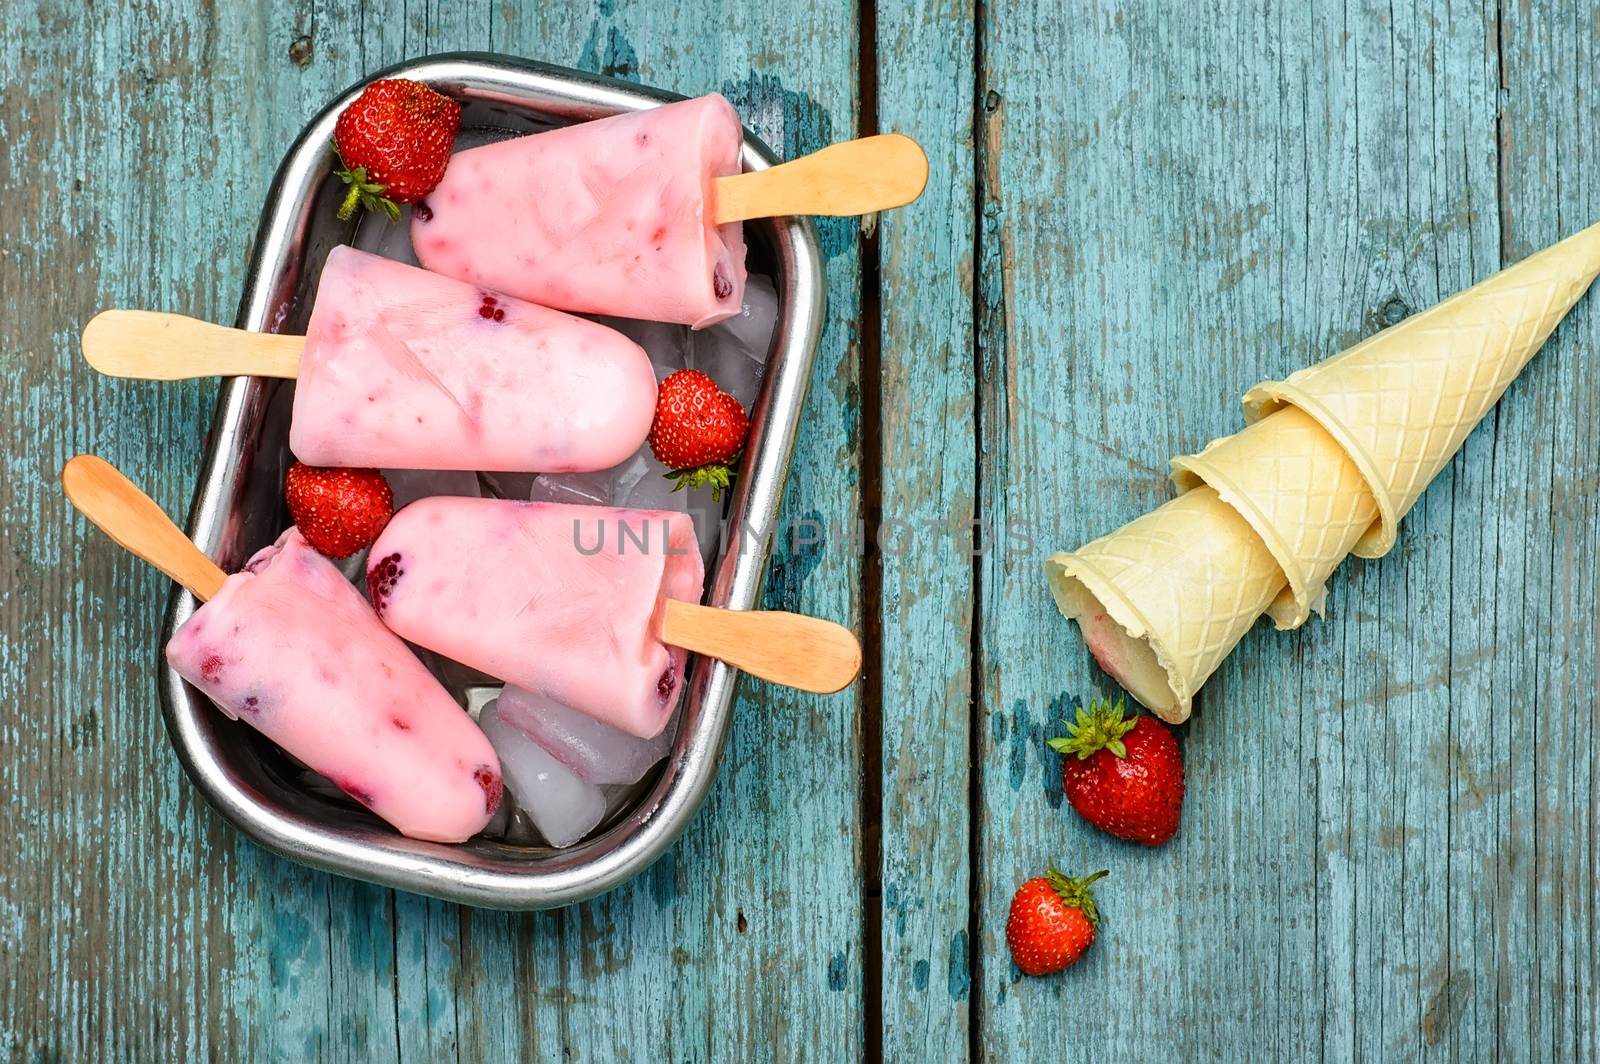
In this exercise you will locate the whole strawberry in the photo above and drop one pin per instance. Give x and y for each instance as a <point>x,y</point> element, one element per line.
<point>1053,920</point>
<point>698,430</point>
<point>1123,774</point>
<point>339,511</point>
<point>394,143</point>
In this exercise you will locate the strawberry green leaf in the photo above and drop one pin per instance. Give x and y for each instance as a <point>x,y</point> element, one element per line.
<point>1075,892</point>
<point>1099,727</point>
<point>717,476</point>
<point>365,193</point>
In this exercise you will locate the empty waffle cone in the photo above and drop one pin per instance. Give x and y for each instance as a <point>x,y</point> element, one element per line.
<point>1402,402</point>
<point>1298,490</point>
<point>1162,600</point>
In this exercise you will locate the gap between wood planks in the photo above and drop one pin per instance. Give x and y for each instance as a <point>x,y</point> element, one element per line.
<point>871,396</point>
<point>980,159</point>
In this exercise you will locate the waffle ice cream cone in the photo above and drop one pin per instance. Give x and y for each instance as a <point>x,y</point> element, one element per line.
<point>1298,490</point>
<point>1162,600</point>
<point>1402,402</point>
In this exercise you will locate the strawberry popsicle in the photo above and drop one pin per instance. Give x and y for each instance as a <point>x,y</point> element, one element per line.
<point>614,216</point>
<point>288,646</point>
<point>406,369</point>
<point>562,600</point>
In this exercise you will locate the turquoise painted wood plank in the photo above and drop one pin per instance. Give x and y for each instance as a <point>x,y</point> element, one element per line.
<point>928,499</point>
<point>1523,949</point>
<point>1410,233</point>
<point>1170,215</point>
<point>1389,845</point>
<point>106,855</point>
<point>162,934</point>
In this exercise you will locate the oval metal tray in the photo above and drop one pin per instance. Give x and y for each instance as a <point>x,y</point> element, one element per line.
<point>238,508</point>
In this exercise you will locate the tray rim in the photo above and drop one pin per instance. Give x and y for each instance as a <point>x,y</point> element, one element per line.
<point>377,854</point>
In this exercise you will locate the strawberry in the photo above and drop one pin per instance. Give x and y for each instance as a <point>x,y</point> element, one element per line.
<point>339,511</point>
<point>394,143</point>
<point>1053,920</point>
<point>698,431</point>
<point>1123,775</point>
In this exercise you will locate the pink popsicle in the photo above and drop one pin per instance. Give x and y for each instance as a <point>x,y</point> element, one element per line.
<point>613,216</point>
<point>562,600</point>
<point>405,369</point>
<point>289,647</point>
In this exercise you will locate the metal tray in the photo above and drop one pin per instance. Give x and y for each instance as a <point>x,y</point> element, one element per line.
<point>238,508</point>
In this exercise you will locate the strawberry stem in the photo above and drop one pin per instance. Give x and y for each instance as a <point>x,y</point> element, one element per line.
<point>1076,892</point>
<point>368,194</point>
<point>1100,727</point>
<point>351,198</point>
<point>717,476</point>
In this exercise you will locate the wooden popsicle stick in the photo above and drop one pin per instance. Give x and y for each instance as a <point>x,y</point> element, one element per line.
<point>153,346</point>
<point>132,519</point>
<point>854,177</point>
<point>783,648</point>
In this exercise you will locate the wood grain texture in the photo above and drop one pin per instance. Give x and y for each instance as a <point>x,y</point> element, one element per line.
<point>135,924</point>
<point>852,177</point>
<point>1136,210</point>
<point>788,649</point>
<point>928,489</point>
<point>1177,205</point>
<point>158,346</point>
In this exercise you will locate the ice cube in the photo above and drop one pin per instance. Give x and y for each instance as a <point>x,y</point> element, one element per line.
<point>479,697</point>
<point>563,807</point>
<point>409,485</point>
<point>520,828</point>
<point>518,486</point>
<point>593,750</point>
<point>499,822</point>
<point>377,234</point>
<point>511,825</point>
<point>666,344</point>
<point>734,352</point>
<point>641,484</point>
<point>589,489</point>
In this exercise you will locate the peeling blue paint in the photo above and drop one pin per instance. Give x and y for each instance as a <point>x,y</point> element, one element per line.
<point>1023,730</point>
<point>664,878</point>
<point>796,551</point>
<point>836,971</point>
<point>290,934</point>
<point>1062,708</point>
<point>960,981</point>
<point>616,59</point>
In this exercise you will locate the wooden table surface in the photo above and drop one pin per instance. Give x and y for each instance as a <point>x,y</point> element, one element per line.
<point>1389,844</point>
